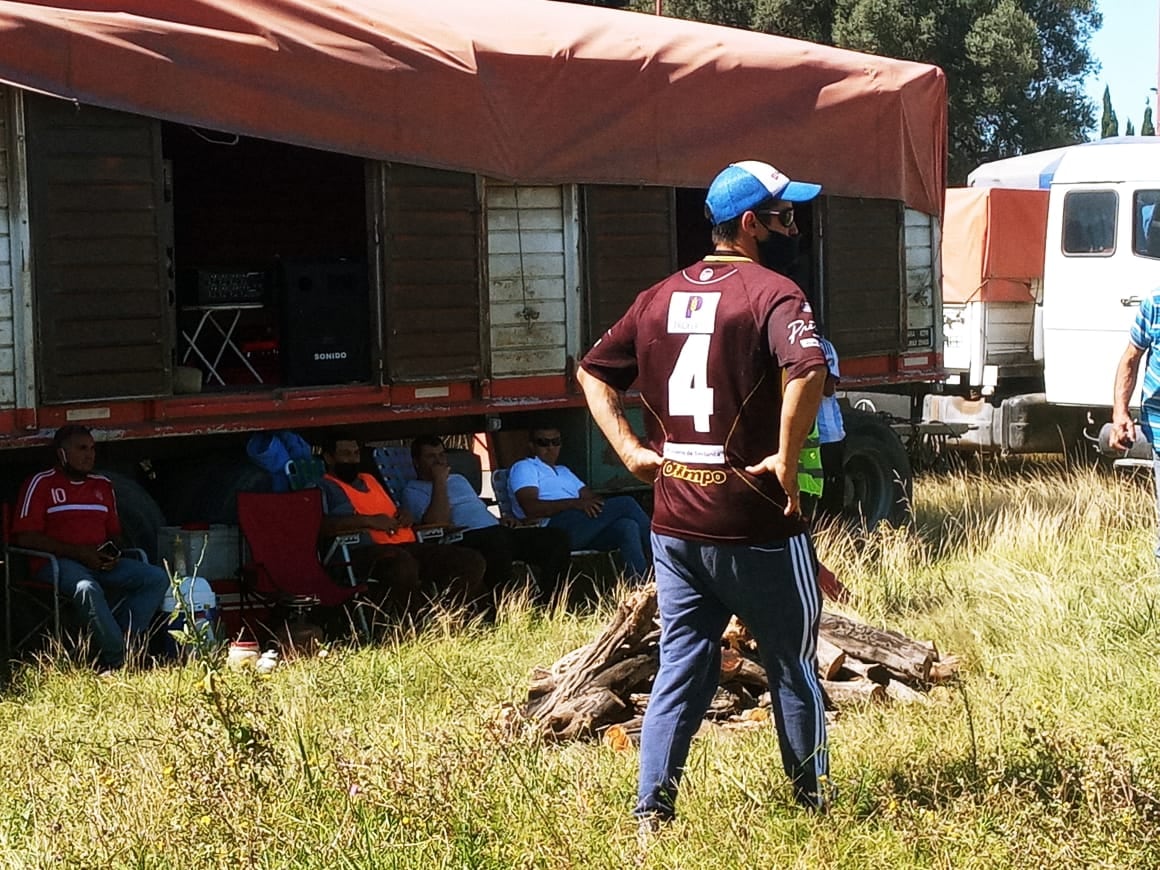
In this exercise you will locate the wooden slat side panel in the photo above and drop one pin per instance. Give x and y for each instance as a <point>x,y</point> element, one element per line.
<point>630,244</point>
<point>921,280</point>
<point>7,350</point>
<point>862,273</point>
<point>432,275</point>
<point>526,268</point>
<point>100,282</point>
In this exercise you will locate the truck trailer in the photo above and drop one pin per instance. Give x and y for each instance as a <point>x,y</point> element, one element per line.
<point>219,219</point>
<point>1045,260</point>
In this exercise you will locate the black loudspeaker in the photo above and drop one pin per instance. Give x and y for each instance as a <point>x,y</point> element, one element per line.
<point>325,314</point>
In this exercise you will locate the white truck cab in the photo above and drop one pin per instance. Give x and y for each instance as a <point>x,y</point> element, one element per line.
<point>1102,257</point>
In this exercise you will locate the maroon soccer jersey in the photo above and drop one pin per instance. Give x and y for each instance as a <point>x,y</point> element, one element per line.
<point>707,348</point>
<point>82,512</point>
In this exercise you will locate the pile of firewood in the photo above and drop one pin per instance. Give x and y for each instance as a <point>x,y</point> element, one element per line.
<point>601,688</point>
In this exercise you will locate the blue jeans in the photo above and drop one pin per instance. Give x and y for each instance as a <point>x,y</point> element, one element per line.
<point>621,525</point>
<point>773,589</point>
<point>113,603</point>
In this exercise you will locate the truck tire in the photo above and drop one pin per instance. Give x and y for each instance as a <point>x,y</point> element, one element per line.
<point>217,498</point>
<point>877,472</point>
<point>141,518</point>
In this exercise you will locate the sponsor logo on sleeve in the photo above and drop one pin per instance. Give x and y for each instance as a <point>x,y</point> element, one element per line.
<point>798,328</point>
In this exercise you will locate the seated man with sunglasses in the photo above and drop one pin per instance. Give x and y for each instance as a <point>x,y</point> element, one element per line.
<point>542,489</point>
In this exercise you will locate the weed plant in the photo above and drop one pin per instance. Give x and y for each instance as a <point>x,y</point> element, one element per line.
<point>1044,754</point>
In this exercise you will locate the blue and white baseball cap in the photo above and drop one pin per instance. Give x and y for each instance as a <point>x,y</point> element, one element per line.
<point>742,186</point>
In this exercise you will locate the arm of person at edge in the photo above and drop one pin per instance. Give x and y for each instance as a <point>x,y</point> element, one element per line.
<point>1123,429</point>
<point>606,404</point>
<point>536,508</point>
<point>799,409</point>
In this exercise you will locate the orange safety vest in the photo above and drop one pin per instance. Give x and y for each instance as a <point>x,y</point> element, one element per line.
<point>371,503</point>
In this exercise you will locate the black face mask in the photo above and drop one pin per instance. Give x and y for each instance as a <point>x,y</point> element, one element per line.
<point>779,253</point>
<point>73,473</point>
<point>347,472</point>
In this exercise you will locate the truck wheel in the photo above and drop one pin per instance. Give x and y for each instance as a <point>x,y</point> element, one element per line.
<point>217,497</point>
<point>141,518</point>
<point>877,472</point>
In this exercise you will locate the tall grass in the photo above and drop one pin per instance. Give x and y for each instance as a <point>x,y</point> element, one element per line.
<point>1041,579</point>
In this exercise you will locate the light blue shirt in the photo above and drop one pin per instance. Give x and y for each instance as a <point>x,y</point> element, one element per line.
<point>830,425</point>
<point>1145,335</point>
<point>554,483</point>
<point>467,509</point>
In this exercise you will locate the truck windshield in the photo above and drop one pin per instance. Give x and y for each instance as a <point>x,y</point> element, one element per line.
<point>1146,220</point>
<point>1089,222</point>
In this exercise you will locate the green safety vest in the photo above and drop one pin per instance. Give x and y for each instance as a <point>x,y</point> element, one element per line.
<point>810,475</point>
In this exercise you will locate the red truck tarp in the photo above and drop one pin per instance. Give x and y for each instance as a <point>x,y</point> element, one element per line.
<point>993,242</point>
<point>524,90</point>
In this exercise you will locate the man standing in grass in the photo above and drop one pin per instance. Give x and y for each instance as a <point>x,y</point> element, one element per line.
<point>709,348</point>
<point>1143,338</point>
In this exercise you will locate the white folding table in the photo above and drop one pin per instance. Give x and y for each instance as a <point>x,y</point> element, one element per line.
<point>230,314</point>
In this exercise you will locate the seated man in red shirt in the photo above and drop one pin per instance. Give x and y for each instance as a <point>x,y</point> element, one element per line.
<point>70,512</point>
<point>387,550</point>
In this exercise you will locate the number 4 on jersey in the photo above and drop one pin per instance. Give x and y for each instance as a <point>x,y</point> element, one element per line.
<point>689,392</point>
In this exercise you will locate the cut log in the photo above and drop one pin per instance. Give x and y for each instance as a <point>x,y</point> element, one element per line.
<point>724,705</point>
<point>599,689</point>
<point>737,636</point>
<point>902,693</point>
<point>830,659</point>
<point>626,675</point>
<point>852,692</point>
<point>737,668</point>
<point>944,669</point>
<point>871,671</point>
<point>889,648</point>
<point>582,715</point>
<point>581,696</point>
<point>623,735</point>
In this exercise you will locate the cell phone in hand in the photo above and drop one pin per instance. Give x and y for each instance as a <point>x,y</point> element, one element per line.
<point>110,550</point>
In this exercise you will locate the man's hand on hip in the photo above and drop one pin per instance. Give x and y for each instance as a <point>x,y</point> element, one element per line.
<point>642,462</point>
<point>786,475</point>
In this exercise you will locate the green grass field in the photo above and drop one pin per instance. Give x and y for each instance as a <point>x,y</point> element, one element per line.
<point>1046,754</point>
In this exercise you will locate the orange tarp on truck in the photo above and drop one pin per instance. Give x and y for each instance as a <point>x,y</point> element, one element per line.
<point>525,90</point>
<point>993,242</point>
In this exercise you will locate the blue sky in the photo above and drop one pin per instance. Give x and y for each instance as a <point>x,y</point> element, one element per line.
<point>1127,48</point>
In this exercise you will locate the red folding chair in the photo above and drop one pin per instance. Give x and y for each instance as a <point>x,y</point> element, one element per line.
<point>281,530</point>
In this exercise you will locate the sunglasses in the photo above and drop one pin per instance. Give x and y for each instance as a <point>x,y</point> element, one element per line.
<point>548,442</point>
<point>785,215</point>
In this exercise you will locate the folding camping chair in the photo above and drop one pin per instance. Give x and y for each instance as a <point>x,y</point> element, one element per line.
<point>396,469</point>
<point>506,501</point>
<point>35,591</point>
<point>308,473</point>
<point>43,595</point>
<point>282,530</point>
